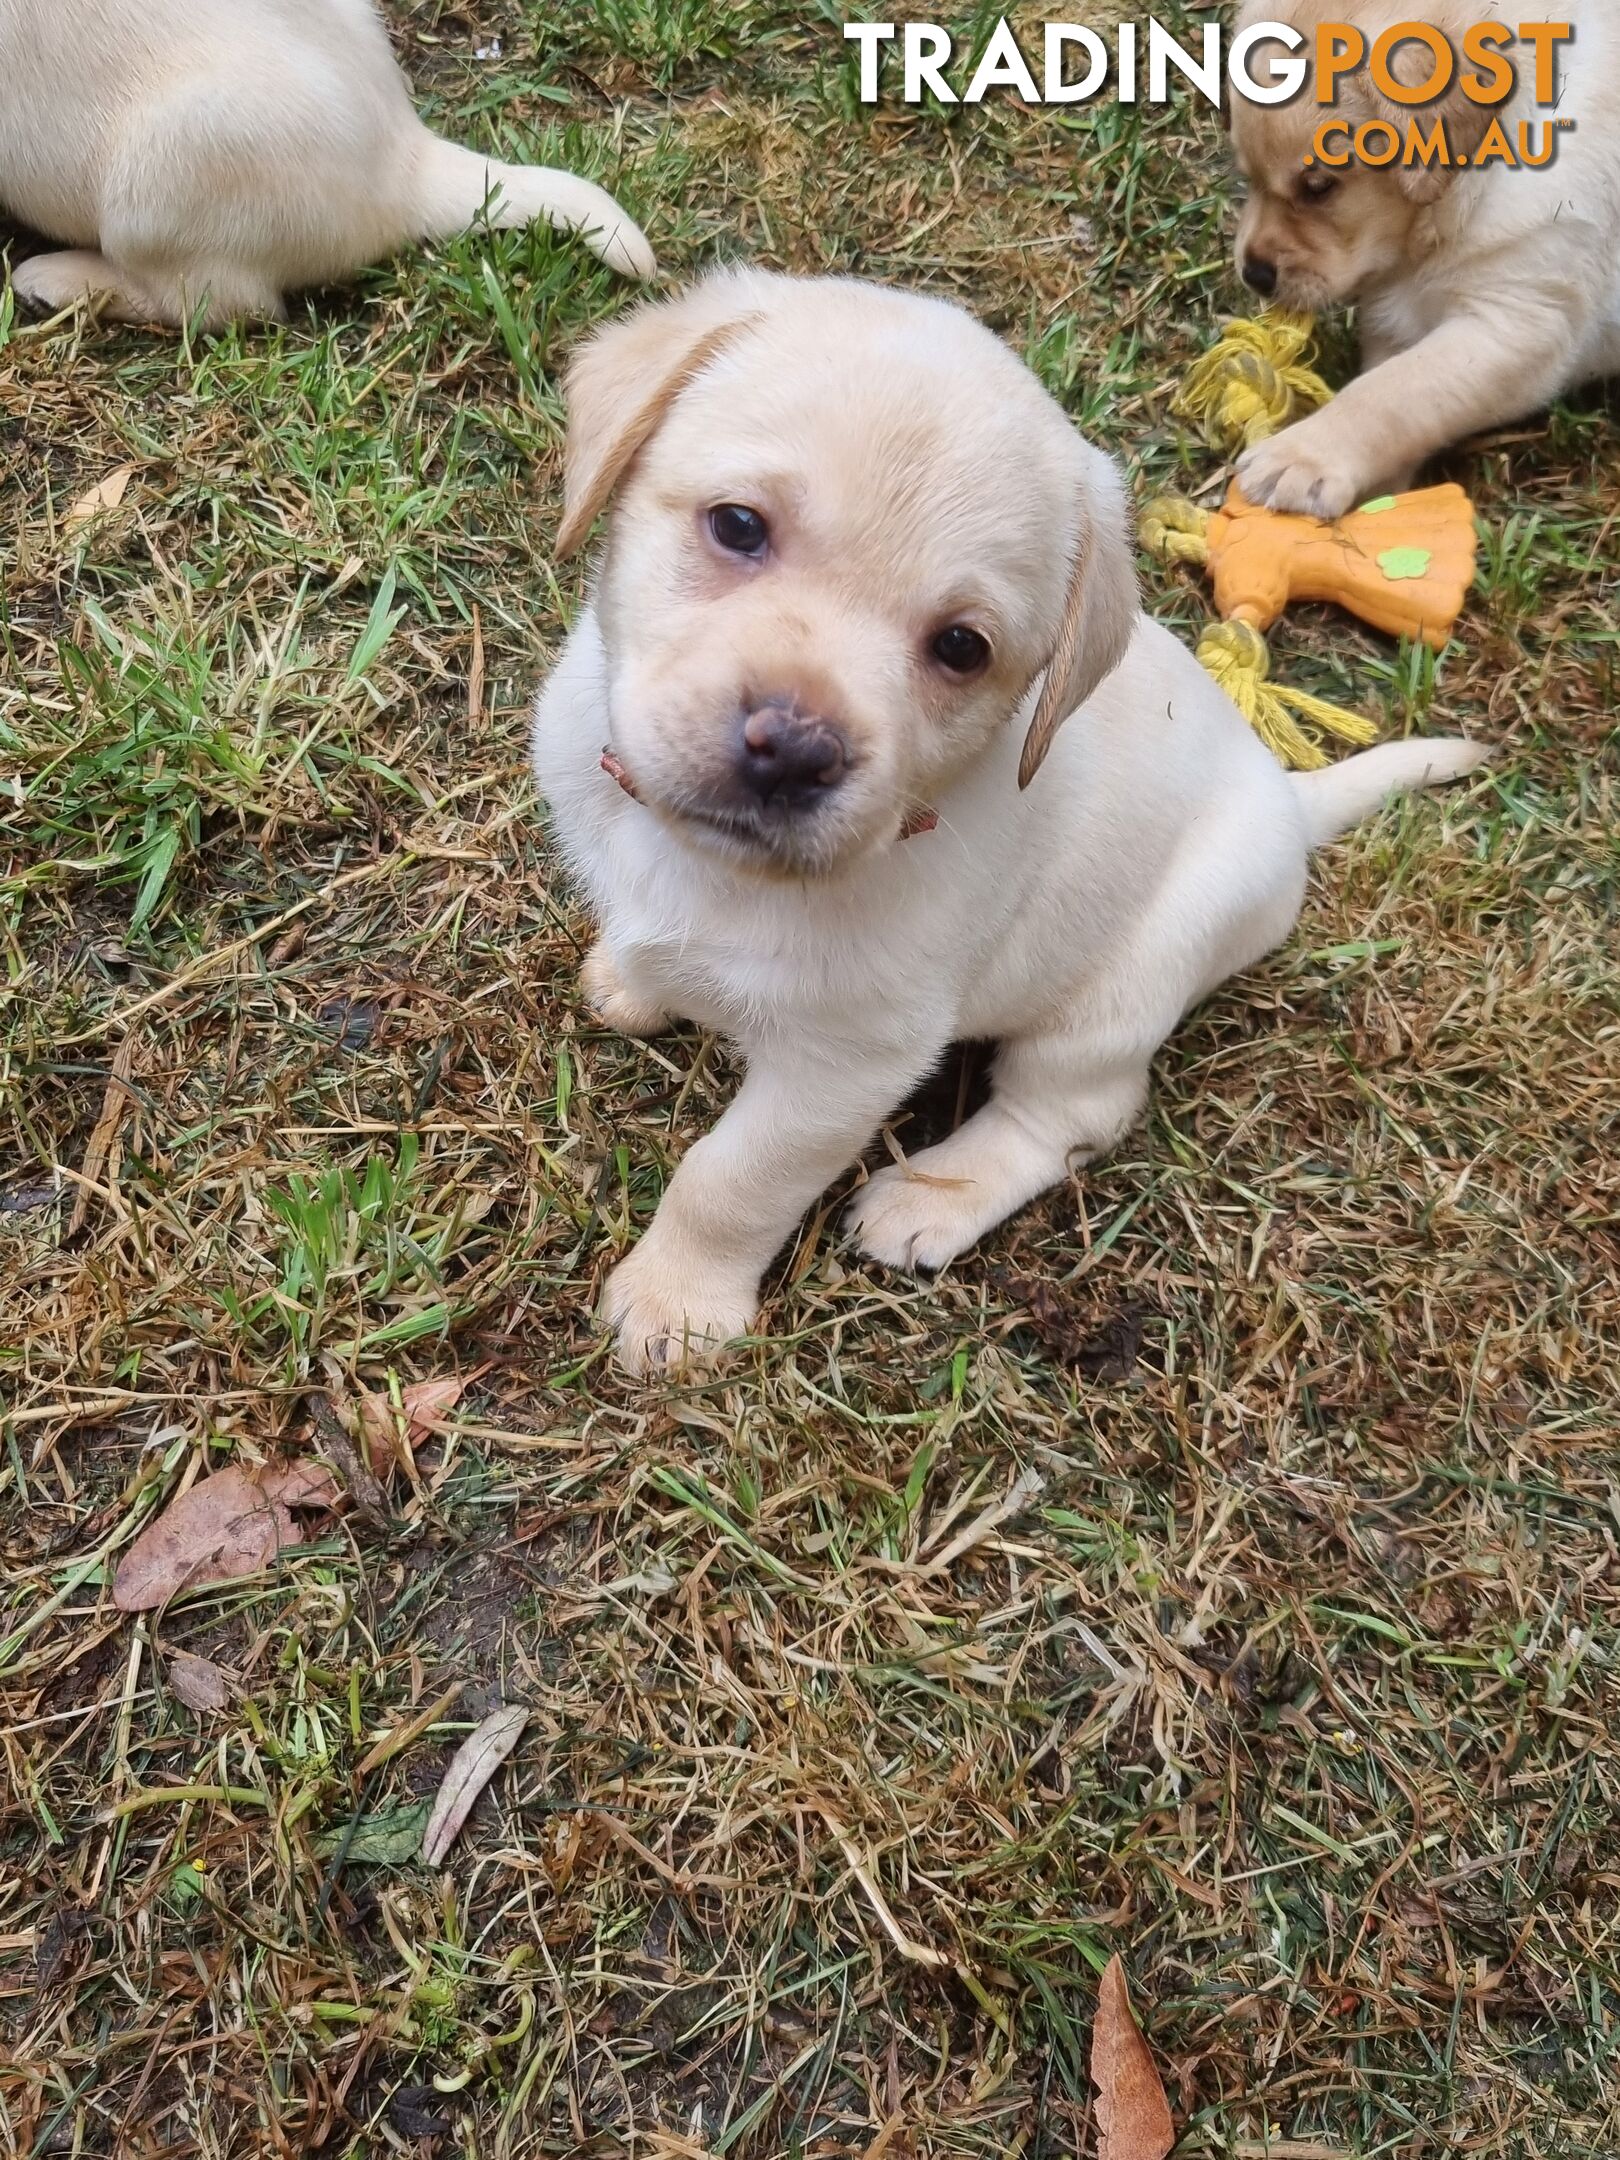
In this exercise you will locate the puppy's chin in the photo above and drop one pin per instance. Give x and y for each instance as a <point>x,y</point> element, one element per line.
<point>1306,292</point>
<point>1311,288</point>
<point>772,844</point>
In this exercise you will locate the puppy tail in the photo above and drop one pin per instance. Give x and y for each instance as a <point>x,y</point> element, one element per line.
<point>1339,796</point>
<point>455,186</point>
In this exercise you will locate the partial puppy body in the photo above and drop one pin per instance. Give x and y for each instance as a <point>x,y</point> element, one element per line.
<point>203,156</point>
<point>862,566</point>
<point>1481,293</point>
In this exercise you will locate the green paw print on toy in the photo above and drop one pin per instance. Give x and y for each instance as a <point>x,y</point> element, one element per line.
<point>1406,562</point>
<point>1397,563</point>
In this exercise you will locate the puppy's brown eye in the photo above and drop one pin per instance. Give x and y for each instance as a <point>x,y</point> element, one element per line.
<point>1316,186</point>
<point>960,649</point>
<point>739,530</point>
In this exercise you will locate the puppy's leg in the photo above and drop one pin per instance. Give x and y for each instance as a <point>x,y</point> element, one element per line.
<point>149,295</point>
<point>210,296</point>
<point>1059,1101</point>
<point>1067,1095</point>
<point>1470,373</point>
<point>609,994</point>
<point>799,1119</point>
<point>50,282</point>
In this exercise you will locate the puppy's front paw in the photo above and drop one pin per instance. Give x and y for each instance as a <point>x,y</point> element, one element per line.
<point>1307,469</point>
<point>914,1220</point>
<point>605,989</point>
<point>671,1312</point>
<point>46,283</point>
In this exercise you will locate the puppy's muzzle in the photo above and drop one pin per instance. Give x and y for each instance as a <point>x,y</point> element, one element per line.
<point>1259,274</point>
<point>785,761</point>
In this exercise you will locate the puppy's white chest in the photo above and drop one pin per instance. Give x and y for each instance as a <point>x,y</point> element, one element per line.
<point>754,965</point>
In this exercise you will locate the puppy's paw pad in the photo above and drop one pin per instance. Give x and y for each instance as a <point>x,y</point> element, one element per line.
<point>914,1222</point>
<point>1292,473</point>
<point>668,1320</point>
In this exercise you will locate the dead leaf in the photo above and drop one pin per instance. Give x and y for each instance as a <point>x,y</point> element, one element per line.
<point>387,1446</point>
<point>223,1527</point>
<point>105,495</point>
<point>287,947</point>
<point>300,1484</point>
<point>423,1404</point>
<point>1133,2116</point>
<point>231,1524</point>
<point>426,1403</point>
<point>472,1766</point>
<point>199,1683</point>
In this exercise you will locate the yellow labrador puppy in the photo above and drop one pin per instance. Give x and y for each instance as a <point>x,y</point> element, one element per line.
<point>861,569</point>
<point>1481,292</point>
<point>216,154</point>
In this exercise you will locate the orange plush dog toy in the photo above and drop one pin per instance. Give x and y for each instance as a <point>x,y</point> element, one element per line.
<point>1403,563</point>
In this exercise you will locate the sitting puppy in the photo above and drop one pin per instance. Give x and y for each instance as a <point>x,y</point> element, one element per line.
<point>214,154</point>
<point>1481,292</point>
<point>861,569</point>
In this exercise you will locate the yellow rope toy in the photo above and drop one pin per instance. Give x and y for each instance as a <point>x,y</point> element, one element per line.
<point>1401,562</point>
<point>1253,382</point>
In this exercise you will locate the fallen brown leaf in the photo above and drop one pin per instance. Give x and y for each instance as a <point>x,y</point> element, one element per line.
<point>199,1683</point>
<point>426,1403</point>
<point>107,494</point>
<point>231,1524</point>
<point>472,1766</point>
<point>387,1446</point>
<point>1133,2116</point>
<point>423,1406</point>
<point>300,1484</point>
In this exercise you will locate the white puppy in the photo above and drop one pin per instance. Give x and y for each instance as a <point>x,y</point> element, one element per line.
<point>1481,291</point>
<point>216,154</point>
<point>861,567</point>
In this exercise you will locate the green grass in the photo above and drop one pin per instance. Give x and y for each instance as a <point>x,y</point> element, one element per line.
<point>1293,1680</point>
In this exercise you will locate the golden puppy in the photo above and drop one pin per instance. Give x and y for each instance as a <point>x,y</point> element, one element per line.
<point>861,569</point>
<point>212,155</point>
<point>1480,293</point>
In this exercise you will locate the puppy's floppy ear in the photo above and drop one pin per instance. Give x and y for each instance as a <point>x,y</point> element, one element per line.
<point>1465,122</point>
<point>1099,611</point>
<point>624,382</point>
<point>1466,128</point>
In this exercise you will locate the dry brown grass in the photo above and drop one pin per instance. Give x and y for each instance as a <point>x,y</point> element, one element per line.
<point>1291,1669</point>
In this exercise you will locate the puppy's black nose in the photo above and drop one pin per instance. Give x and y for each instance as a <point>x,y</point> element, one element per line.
<point>1259,274</point>
<point>789,759</point>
